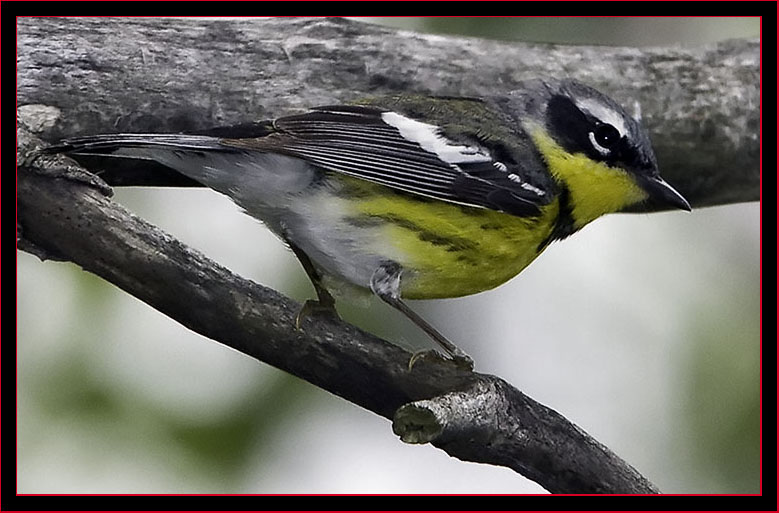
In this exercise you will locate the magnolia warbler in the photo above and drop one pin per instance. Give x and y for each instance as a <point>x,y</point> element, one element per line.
<point>419,197</point>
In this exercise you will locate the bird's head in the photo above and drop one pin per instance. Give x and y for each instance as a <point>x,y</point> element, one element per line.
<point>594,148</point>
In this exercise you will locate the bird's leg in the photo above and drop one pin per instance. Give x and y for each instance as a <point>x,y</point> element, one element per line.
<point>385,283</point>
<point>325,303</point>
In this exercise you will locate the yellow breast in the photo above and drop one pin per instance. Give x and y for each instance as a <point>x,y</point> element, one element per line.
<point>449,250</point>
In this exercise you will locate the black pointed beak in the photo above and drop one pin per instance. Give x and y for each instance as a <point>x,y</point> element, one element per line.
<point>662,193</point>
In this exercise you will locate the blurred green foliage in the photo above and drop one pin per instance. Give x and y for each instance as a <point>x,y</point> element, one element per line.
<point>594,30</point>
<point>722,422</point>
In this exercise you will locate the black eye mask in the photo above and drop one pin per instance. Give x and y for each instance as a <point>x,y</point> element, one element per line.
<point>572,128</point>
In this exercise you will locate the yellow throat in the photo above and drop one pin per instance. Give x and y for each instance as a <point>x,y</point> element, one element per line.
<point>595,188</point>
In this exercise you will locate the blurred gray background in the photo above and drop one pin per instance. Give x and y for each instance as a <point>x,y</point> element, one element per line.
<point>641,329</point>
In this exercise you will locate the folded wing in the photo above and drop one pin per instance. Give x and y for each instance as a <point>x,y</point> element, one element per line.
<point>390,149</point>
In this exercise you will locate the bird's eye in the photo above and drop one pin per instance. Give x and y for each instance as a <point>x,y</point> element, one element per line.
<point>604,138</point>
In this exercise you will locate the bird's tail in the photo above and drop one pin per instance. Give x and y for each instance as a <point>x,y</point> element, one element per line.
<point>247,176</point>
<point>167,157</point>
<point>135,145</point>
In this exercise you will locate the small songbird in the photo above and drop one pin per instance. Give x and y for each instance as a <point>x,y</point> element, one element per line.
<point>420,197</point>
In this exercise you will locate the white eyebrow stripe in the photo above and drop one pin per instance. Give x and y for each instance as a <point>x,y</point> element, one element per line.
<point>429,139</point>
<point>604,113</point>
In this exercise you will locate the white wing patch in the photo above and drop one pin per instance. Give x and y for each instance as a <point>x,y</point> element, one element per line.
<point>429,139</point>
<point>532,188</point>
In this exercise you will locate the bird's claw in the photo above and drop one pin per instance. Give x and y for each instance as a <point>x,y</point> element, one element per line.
<point>313,307</point>
<point>461,360</point>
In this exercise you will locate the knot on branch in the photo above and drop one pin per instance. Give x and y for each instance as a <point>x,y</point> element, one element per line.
<point>464,415</point>
<point>30,154</point>
<point>30,159</point>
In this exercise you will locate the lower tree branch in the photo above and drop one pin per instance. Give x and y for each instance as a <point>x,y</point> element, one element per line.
<point>493,422</point>
<point>65,212</point>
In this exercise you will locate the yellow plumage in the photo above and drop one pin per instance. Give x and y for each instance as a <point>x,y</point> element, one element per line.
<point>595,187</point>
<point>449,250</point>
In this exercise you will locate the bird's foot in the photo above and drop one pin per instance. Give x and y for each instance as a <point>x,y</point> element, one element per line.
<point>461,360</point>
<point>315,308</point>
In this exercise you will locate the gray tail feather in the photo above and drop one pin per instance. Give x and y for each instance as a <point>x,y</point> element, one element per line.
<point>100,144</point>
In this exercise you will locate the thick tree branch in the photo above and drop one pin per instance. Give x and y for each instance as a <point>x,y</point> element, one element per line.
<point>701,105</point>
<point>79,76</point>
<point>66,214</point>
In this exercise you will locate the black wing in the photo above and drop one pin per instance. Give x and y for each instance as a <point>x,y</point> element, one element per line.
<point>384,147</point>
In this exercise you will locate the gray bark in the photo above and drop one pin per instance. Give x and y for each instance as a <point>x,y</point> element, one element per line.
<point>80,76</point>
<point>701,105</point>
